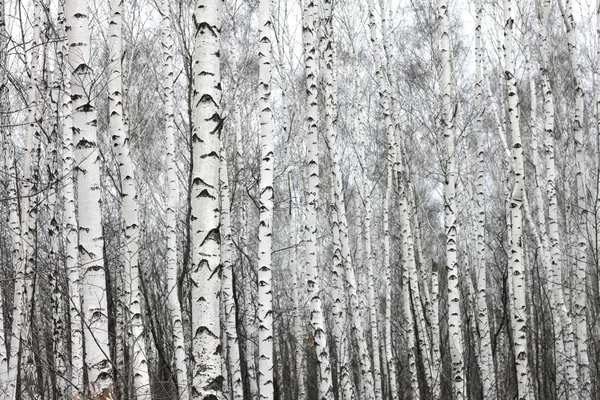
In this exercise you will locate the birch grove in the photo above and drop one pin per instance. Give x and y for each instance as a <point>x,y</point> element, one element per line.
<point>299,200</point>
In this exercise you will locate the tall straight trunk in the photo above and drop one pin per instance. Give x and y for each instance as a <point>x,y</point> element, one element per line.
<point>563,328</point>
<point>265,294</point>
<point>24,266</point>
<point>338,308</point>
<point>180,355</point>
<point>597,108</point>
<point>391,364</point>
<point>227,296</point>
<point>70,226</point>
<point>9,168</point>
<point>372,300</point>
<point>408,280</point>
<point>53,227</point>
<point>309,36</point>
<point>454,312</point>
<point>516,203</point>
<point>330,95</point>
<point>91,242</point>
<point>207,380</point>
<point>580,296</point>
<point>132,300</point>
<point>298,332</point>
<point>384,94</point>
<point>486,361</point>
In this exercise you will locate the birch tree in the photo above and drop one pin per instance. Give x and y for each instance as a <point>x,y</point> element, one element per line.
<point>91,242</point>
<point>311,70</point>
<point>180,357</point>
<point>129,207</point>
<point>580,303</point>
<point>265,294</point>
<point>519,310</point>
<point>486,361</point>
<point>25,245</point>
<point>448,111</point>
<point>207,381</point>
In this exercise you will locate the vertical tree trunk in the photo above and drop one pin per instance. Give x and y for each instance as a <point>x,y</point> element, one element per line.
<point>265,294</point>
<point>8,153</point>
<point>69,222</point>
<point>391,363</point>
<point>372,301</point>
<point>233,349</point>
<point>180,356</point>
<point>454,314</point>
<point>298,332</point>
<point>580,296</point>
<point>129,208</point>
<point>309,35</point>
<point>486,361</point>
<point>91,242</point>
<point>384,94</point>
<point>516,203</point>
<point>205,211</point>
<point>563,328</point>
<point>25,263</point>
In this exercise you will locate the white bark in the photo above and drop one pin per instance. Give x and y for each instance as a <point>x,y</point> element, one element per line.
<point>384,93</point>
<point>9,167</point>
<point>207,380</point>
<point>227,299</point>
<point>597,108</point>
<point>486,361</point>
<point>372,301</point>
<point>180,356</point>
<point>408,281</point>
<point>516,204</point>
<point>265,294</point>
<point>296,297</point>
<point>454,312</point>
<point>393,386</point>
<point>129,207</point>
<point>563,328</point>
<point>91,242</point>
<point>584,384</point>
<point>69,223</point>
<point>309,35</point>
<point>24,266</point>
<point>53,228</point>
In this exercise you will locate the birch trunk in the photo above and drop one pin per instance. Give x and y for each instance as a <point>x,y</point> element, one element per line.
<point>129,210</point>
<point>309,35</point>
<point>384,94</point>
<point>563,328</point>
<point>408,267</point>
<point>179,356</point>
<point>53,228</point>
<point>597,100</point>
<point>91,242</point>
<point>516,204</point>
<point>580,296</point>
<point>486,361</point>
<point>265,294</point>
<point>372,301</point>
<point>13,206</point>
<point>339,307</point>
<point>227,294</point>
<point>70,227</point>
<point>207,380</point>
<point>454,312</point>
<point>393,386</point>
<point>296,296</point>
<point>24,267</point>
